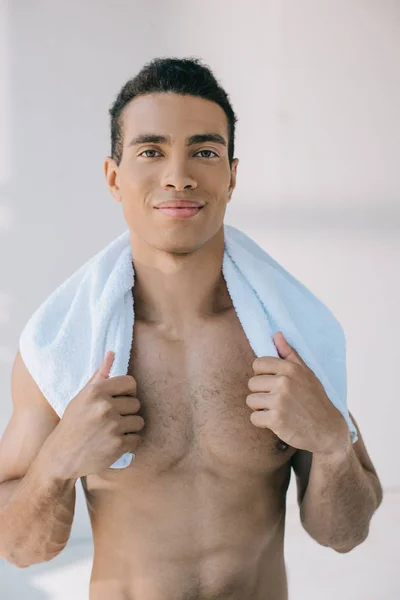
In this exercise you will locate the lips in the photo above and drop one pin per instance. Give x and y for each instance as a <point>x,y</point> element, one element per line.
<point>180,204</point>
<point>182,212</point>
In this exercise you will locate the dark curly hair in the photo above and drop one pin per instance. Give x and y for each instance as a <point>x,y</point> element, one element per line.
<point>184,76</point>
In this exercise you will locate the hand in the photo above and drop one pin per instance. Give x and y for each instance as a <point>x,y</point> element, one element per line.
<point>99,424</point>
<point>290,400</point>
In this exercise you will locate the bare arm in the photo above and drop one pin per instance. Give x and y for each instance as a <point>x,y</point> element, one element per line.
<point>338,495</point>
<point>36,502</point>
<point>36,518</point>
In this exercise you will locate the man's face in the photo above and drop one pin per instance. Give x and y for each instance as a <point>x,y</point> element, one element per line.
<point>151,173</point>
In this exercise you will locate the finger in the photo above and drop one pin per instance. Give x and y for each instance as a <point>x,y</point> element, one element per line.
<point>126,405</point>
<point>132,442</point>
<point>107,364</point>
<point>103,371</point>
<point>260,401</point>
<point>270,365</point>
<point>262,383</point>
<point>131,424</point>
<point>261,419</point>
<point>122,385</point>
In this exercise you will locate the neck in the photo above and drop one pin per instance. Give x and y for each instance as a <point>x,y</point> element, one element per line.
<point>176,291</point>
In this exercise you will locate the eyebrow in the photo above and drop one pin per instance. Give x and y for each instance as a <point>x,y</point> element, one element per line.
<point>199,138</point>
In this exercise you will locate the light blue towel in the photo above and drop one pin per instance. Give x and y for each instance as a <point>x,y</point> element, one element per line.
<point>66,339</point>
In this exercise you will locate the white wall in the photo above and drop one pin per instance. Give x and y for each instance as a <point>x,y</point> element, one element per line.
<point>316,87</point>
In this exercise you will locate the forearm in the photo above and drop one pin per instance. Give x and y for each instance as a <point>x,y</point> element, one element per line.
<point>340,500</point>
<point>36,513</point>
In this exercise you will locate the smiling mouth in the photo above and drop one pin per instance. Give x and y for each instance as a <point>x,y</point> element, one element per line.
<point>178,207</point>
<point>181,212</point>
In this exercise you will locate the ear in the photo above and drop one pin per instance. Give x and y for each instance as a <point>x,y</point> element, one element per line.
<point>232,183</point>
<point>111,172</point>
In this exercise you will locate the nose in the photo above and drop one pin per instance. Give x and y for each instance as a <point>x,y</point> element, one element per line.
<point>179,179</point>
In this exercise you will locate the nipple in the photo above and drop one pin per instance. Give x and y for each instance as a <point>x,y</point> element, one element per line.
<point>282,446</point>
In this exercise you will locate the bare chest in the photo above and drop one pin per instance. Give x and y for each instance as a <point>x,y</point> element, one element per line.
<point>193,401</point>
<point>212,482</point>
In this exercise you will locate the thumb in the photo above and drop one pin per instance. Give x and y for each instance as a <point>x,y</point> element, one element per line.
<point>285,350</point>
<point>104,370</point>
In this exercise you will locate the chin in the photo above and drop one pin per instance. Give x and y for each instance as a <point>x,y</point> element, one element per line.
<point>181,250</point>
<point>183,246</point>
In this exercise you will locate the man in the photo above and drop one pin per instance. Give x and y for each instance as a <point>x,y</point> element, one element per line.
<point>200,512</point>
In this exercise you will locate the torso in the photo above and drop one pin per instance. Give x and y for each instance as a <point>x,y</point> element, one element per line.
<point>199,514</point>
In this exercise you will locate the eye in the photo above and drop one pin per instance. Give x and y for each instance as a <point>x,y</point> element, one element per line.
<point>215,154</point>
<point>149,150</point>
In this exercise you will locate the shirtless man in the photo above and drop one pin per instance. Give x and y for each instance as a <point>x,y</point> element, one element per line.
<point>200,512</point>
